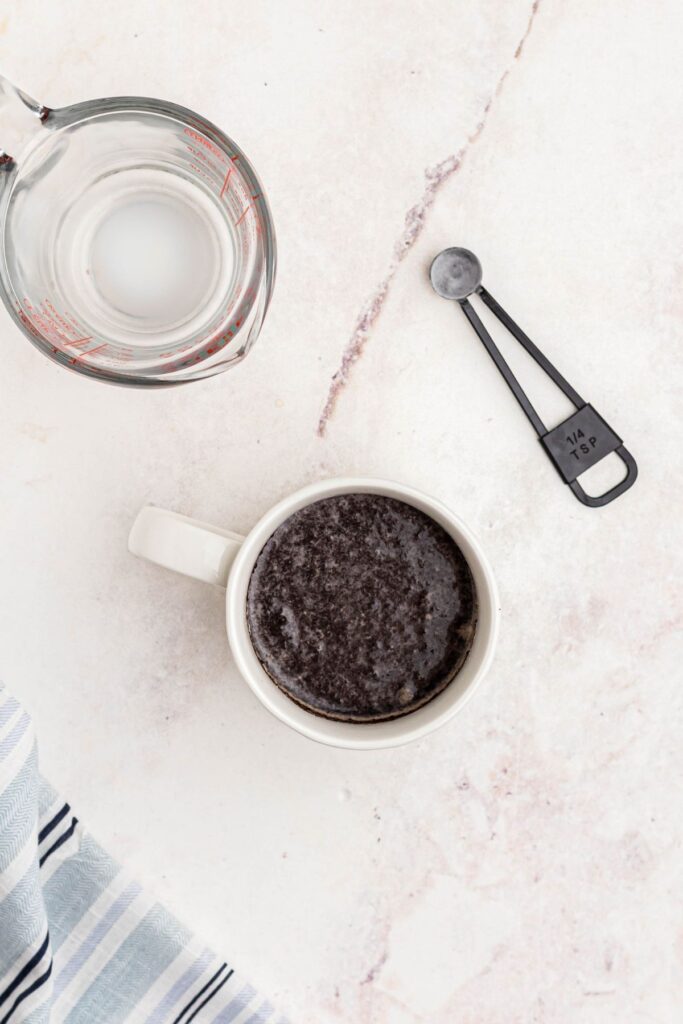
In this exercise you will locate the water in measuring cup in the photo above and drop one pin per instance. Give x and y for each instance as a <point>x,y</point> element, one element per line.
<point>152,260</point>
<point>139,240</point>
<point>143,251</point>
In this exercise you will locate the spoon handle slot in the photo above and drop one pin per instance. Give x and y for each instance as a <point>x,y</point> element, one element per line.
<point>597,500</point>
<point>533,350</point>
<point>507,374</point>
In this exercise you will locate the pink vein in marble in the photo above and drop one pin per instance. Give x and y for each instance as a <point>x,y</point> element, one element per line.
<point>414,223</point>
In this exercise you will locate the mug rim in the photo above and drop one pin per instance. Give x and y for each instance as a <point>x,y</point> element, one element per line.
<point>363,735</point>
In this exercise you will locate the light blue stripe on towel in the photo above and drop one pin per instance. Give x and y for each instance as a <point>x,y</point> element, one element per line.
<point>263,1014</point>
<point>161,1014</point>
<point>46,797</point>
<point>7,710</point>
<point>92,941</point>
<point>17,814</point>
<point>235,1006</point>
<point>21,919</point>
<point>132,970</point>
<point>13,736</point>
<point>75,886</point>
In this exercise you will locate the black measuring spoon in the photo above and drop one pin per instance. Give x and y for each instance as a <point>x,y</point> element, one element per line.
<point>577,443</point>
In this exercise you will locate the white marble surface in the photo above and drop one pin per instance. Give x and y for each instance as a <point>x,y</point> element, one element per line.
<point>524,864</point>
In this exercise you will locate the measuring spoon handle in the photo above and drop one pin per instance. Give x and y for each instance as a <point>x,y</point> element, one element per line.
<point>580,441</point>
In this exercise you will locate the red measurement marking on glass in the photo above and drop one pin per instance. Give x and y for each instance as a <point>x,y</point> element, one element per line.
<point>78,341</point>
<point>204,142</point>
<point>198,170</point>
<point>225,183</point>
<point>28,324</point>
<point>246,210</point>
<point>212,165</point>
<point>90,352</point>
<point>199,154</point>
<point>202,172</point>
<point>233,159</point>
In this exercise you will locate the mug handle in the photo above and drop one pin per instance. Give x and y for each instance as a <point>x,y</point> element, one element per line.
<point>184,545</point>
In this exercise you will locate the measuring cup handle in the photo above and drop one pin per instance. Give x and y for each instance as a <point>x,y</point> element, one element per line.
<point>184,545</point>
<point>604,499</point>
<point>21,117</point>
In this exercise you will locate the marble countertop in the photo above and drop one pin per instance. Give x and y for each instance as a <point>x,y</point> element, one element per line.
<point>523,864</point>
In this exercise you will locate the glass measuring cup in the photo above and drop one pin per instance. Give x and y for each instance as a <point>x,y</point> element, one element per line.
<point>137,243</point>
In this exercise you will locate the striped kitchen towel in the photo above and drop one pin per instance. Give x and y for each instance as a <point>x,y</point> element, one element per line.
<point>80,942</point>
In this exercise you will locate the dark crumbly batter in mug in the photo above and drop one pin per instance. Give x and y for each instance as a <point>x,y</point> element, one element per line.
<point>361,607</point>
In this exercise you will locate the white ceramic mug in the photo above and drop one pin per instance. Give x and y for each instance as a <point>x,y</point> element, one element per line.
<point>226,559</point>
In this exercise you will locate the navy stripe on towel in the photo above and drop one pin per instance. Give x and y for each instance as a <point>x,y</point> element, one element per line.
<point>55,846</point>
<point>27,992</point>
<point>45,831</point>
<point>199,994</point>
<point>210,996</point>
<point>25,970</point>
